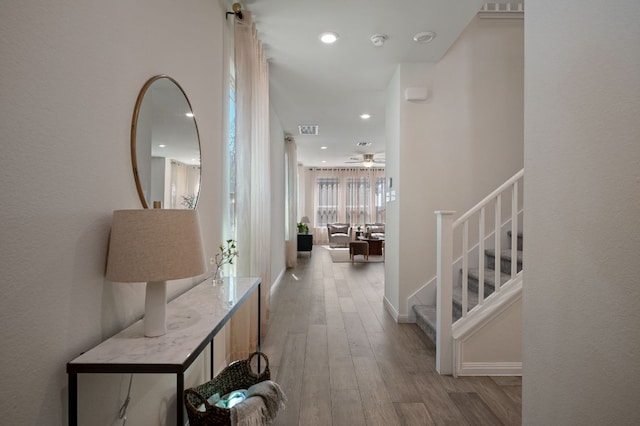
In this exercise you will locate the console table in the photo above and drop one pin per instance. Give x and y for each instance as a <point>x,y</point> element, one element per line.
<point>193,319</point>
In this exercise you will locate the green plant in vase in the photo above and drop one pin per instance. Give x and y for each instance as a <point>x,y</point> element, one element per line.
<point>303,228</point>
<point>228,252</point>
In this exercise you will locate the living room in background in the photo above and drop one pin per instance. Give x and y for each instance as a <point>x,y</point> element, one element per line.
<point>346,195</point>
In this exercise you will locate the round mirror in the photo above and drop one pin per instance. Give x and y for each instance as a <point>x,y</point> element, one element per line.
<point>165,146</point>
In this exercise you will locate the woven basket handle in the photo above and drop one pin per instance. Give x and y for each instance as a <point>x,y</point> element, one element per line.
<point>199,397</point>
<point>266,360</point>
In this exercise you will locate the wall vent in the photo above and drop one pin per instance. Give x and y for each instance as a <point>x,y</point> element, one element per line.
<point>308,129</point>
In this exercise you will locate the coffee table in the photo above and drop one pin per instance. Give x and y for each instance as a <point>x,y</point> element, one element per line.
<point>376,245</point>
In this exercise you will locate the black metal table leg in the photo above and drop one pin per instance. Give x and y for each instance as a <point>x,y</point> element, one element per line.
<point>211,362</point>
<point>73,399</point>
<point>179,401</point>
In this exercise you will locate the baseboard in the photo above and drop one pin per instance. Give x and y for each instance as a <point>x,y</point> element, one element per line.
<point>406,319</point>
<point>390,308</point>
<point>490,369</point>
<point>278,280</point>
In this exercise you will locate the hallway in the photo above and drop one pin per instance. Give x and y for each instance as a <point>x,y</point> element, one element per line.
<point>342,360</point>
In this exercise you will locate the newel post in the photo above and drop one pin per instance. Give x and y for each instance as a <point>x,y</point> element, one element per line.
<point>444,341</point>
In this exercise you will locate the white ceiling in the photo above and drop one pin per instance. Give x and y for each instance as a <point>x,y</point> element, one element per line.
<point>331,85</point>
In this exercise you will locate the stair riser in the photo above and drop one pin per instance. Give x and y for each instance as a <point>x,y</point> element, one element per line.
<point>457,310</point>
<point>519,240</point>
<point>473,285</point>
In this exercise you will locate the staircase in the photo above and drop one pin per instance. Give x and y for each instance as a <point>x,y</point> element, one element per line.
<point>481,285</point>
<point>426,314</point>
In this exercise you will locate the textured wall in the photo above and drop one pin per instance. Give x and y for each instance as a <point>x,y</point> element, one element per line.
<point>582,232</point>
<point>71,72</point>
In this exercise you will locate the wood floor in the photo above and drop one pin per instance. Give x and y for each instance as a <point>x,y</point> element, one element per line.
<point>342,360</point>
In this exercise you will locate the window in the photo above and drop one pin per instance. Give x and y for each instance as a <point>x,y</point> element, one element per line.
<point>327,207</point>
<point>358,200</point>
<point>354,196</point>
<point>380,200</point>
<point>231,160</point>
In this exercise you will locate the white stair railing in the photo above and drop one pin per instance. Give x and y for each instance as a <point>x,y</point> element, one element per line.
<point>447,230</point>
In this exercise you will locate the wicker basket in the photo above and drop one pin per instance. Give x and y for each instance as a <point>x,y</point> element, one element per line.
<point>237,375</point>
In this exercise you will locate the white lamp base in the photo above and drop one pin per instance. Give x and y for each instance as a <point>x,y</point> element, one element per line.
<point>155,309</point>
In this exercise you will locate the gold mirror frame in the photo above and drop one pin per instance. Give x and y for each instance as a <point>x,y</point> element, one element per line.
<point>136,155</point>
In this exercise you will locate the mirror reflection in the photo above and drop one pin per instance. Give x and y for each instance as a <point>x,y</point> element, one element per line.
<point>165,146</point>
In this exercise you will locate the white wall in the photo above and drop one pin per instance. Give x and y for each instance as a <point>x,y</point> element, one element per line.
<point>392,170</point>
<point>71,72</point>
<point>582,209</point>
<point>468,137</point>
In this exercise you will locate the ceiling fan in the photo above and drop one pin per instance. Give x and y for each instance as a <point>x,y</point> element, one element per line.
<point>367,160</point>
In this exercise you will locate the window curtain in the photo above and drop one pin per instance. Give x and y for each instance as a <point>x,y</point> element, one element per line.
<point>253,202</point>
<point>344,195</point>
<point>292,202</point>
<point>185,182</point>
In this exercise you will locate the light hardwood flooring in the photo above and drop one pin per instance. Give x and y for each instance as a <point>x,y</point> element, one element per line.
<point>342,360</point>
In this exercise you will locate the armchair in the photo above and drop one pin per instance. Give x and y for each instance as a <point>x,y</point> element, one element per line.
<point>339,234</point>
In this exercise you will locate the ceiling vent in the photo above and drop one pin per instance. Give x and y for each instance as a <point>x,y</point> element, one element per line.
<point>502,10</point>
<point>363,143</point>
<point>308,129</point>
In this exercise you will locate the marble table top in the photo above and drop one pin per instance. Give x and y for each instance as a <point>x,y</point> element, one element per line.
<point>193,318</point>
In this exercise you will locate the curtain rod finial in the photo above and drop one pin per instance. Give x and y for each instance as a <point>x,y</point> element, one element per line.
<point>237,10</point>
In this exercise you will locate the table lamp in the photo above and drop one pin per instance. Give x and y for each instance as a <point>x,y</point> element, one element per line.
<point>153,246</point>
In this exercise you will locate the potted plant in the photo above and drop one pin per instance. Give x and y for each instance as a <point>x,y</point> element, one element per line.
<point>228,252</point>
<point>303,228</point>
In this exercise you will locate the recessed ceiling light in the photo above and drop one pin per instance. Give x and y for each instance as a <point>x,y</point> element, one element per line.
<point>424,37</point>
<point>329,37</point>
<point>323,147</point>
<point>324,161</point>
<point>162,146</point>
<point>365,116</point>
<point>189,114</point>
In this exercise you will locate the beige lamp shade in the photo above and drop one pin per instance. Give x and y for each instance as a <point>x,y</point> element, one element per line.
<point>155,245</point>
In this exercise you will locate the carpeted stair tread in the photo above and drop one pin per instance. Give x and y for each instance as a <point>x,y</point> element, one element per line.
<point>472,297</point>
<point>489,276</point>
<point>426,318</point>
<point>505,254</point>
<point>472,300</point>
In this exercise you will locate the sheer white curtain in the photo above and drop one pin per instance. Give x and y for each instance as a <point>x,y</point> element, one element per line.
<point>253,202</point>
<point>292,201</point>
<point>184,184</point>
<point>344,195</point>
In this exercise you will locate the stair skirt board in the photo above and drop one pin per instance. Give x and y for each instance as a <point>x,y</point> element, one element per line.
<point>489,369</point>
